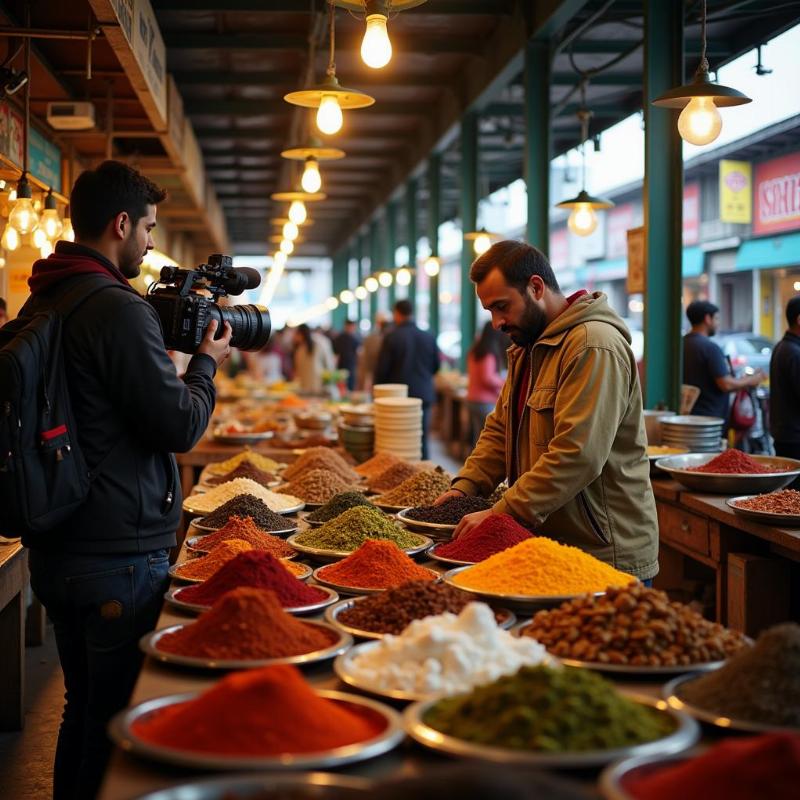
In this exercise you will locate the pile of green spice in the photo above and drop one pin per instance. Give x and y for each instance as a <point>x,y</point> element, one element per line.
<point>549,710</point>
<point>246,505</point>
<point>338,505</point>
<point>351,529</point>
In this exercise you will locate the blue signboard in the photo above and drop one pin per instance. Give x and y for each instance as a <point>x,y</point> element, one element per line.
<point>44,160</point>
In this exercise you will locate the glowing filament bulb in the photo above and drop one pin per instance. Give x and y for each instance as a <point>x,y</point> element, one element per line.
<point>582,221</point>
<point>329,115</point>
<point>290,231</point>
<point>432,266</point>
<point>311,180</point>
<point>700,121</point>
<point>287,247</point>
<point>376,48</point>
<point>10,240</point>
<point>23,216</point>
<point>482,244</point>
<point>297,212</point>
<point>68,233</point>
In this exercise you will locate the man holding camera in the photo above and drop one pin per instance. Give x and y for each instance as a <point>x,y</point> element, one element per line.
<point>102,573</point>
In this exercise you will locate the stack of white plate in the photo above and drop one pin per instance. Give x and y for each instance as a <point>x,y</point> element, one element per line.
<point>390,390</point>
<point>693,433</point>
<point>398,426</point>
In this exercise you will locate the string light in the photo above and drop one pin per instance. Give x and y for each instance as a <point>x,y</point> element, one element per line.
<point>346,297</point>
<point>385,279</point>
<point>297,212</point>
<point>371,284</point>
<point>290,231</point>
<point>361,293</point>
<point>11,239</point>
<point>432,266</point>
<point>287,246</point>
<point>403,277</point>
<point>23,215</point>
<point>51,223</point>
<point>311,180</point>
<point>68,232</point>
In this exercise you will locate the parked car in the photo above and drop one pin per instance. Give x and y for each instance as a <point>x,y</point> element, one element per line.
<point>747,351</point>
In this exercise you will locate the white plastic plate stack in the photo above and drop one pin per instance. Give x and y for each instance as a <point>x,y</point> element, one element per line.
<point>398,426</point>
<point>389,390</point>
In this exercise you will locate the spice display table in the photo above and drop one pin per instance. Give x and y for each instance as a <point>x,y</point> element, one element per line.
<point>13,579</point>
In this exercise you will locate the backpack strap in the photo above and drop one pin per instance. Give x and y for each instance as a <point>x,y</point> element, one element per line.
<point>80,291</point>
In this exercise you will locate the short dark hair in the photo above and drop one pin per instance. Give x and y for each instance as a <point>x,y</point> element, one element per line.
<point>793,310</point>
<point>698,310</point>
<point>100,194</point>
<point>518,262</point>
<point>404,308</point>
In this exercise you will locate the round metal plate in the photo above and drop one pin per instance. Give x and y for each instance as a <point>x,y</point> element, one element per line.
<point>764,517</point>
<point>303,572</point>
<point>385,507</point>
<point>320,554</point>
<point>242,437</point>
<point>353,589</point>
<point>195,545</point>
<point>439,527</point>
<point>190,508</point>
<point>290,197</point>
<point>320,153</point>
<point>173,596</point>
<point>121,732</point>
<point>615,776</point>
<point>685,735</point>
<point>444,560</point>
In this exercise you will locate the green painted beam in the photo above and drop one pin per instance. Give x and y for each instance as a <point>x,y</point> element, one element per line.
<point>339,283</point>
<point>469,222</point>
<point>663,207</point>
<point>434,181</point>
<point>391,247</point>
<point>537,142</point>
<point>411,238</point>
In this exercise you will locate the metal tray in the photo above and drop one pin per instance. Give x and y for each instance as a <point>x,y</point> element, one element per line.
<point>319,554</point>
<point>120,731</point>
<point>685,735</point>
<point>304,516</point>
<point>191,509</point>
<point>242,437</point>
<point>173,596</point>
<point>764,517</point>
<point>193,541</point>
<point>722,483</point>
<point>316,785</point>
<point>197,523</point>
<point>516,602</point>
<point>353,589</point>
<point>439,527</point>
<point>301,576</point>
<point>149,645</point>
<point>507,619</point>
<point>671,692</point>
<point>614,777</point>
<point>451,561</point>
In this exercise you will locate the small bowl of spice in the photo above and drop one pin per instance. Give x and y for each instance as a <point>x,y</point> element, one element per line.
<point>775,508</point>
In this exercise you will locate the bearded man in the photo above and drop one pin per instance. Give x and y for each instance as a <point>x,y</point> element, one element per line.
<point>567,431</point>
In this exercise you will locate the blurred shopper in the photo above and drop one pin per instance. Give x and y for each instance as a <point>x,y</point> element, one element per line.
<point>784,387</point>
<point>370,350</point>
<point>3,312</point>
<point>410,355</point>
<point>486,362</point>
<point>102,573</point>
<point>705,365</point>
<point>346,346</point>
<point>265,365</point>
<point>313,356</point>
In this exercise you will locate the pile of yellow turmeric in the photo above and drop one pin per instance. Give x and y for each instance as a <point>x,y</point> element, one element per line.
<point>541,567</point>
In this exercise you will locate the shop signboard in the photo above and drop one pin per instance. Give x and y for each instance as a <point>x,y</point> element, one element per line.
<point>44,160</point>
<point>637,261</point>
<point>735,191</point>
<point>11,127</point>
<point>559,248</point>
<point>691,213</point>
<point>777,195</point>
<point>620,220</point>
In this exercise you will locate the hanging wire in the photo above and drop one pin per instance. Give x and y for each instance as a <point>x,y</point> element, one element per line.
<point>331,72</point>
<point>27,91</point>
<point>703,66</point>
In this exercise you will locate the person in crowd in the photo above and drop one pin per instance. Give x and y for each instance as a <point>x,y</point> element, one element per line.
<point>101,574</point>
<point>346,346</point>
<point>313,355</point>
<point>265,365</point>
<point>486,361</point>
<point>3,311</point>
<point>410,355</point>
<point>705,365</point>
<point>784,388</point>
<point>567,431</point>
<point>370,349</point>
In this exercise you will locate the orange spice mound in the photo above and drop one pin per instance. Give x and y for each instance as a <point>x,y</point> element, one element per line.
<point>377,564</point>
<point>246,530</point>
<point>203,568</point>
<point>244,624</point>
<point>380,462</point>
<point>260,712</point>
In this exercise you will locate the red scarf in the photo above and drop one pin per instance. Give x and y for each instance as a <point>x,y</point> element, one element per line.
<point>68,260</point>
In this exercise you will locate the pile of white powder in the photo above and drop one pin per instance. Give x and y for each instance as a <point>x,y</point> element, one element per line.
<point>214,498</point>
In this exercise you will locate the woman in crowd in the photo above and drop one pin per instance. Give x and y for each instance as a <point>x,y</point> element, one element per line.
<point>313,355</point>
<point>486,362</point>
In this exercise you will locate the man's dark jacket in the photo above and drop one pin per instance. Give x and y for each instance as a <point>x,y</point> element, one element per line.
<point>409,355</point>
<point>784,390</point>
<point>131,409</point>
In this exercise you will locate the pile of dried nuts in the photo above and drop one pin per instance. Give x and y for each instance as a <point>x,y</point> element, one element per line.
<point>634,626</point>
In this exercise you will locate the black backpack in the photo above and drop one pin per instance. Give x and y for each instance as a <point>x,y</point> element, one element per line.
<point>43,475</point>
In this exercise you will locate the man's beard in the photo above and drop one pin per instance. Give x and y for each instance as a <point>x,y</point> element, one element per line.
<point>532,324</point>
<point>131,258</point>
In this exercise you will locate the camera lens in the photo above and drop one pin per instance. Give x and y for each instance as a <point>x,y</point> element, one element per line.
<point>250,323</point>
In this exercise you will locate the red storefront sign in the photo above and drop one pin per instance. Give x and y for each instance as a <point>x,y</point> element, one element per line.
<point>691,213</point>
<point>777,206</point>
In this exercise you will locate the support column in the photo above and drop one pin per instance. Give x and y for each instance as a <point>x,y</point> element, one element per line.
<point>469,222</point>
<point>663,206</point>
<point>339,283</point>
<point>391,248</point>
<point>374,260</point>
<point>434,212</point>
<point>537,142</point>
<point>363,305</point>
<point>411,240</point>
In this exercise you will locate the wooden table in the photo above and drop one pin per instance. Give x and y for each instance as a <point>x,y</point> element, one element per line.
<point>13,580</point>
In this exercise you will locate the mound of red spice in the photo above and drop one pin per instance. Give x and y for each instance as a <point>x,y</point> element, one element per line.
<point>243,624</point>
<point>377,564</point>
<point>245,529</point>
<point>734,462</point>
<point>736,769</point>
<point>259,570</point>
<point>260,712</point>
<point>497,532</point>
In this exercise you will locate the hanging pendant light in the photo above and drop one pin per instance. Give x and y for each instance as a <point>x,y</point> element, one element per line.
<point>290,231</point>
<point>312,153</point>
<point>68,232</point>
<point>311,180</point>
<point>329,97</point>
<point>287,246</point>
<point>38,238</point>
<point>298,212</point>
<point>432,266</point>
<point>700,122</point>
<point>481,240</point>
<point>51,223</point>
<point>23,216</point>
<point>10,240</point>
<point>583,219</point>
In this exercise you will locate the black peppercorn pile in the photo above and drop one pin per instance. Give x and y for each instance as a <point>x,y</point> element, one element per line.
<point>247,505</point>
<point>449,513</point>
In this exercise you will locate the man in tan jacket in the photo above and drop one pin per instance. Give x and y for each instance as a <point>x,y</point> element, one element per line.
<point>567,431</point>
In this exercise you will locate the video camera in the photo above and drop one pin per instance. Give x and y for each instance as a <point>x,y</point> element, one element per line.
<point>185,312</point>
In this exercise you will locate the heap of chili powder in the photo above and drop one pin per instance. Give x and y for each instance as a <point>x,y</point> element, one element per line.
<point>734,462</point>
<point>259,570</point>
<point>261,712</point>
<point>245,529</point>
<point>497,532</point>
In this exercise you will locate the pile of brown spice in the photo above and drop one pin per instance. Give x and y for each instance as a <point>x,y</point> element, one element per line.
<point>786,501</point>
<point>380,462</point>
<point>321,458</point>
<point>245,529</point>
<point>316,486</point>
<point>392,477</point>
<point>244,470</point>
<point>420,489</point>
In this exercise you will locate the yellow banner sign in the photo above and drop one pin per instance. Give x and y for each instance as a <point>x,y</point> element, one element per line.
<point>735,191</point>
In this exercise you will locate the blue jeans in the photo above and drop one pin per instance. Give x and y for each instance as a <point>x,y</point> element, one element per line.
<point>100,606</point>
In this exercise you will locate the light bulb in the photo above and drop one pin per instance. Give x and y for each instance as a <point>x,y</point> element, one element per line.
<point>38,238</point>
<point>361,293</point>
<point>51,224</point>
<point>482,244</point>
<point>23,216</point>
<point>700,121</point>
<point>2,262</point>
<point>46,249</point>
<point>311,180</point>
<point>403,277</point>
<point>290,231</point>
<point>376,49</point>
<point>68,233</point>
<point>582,221</point>
<point>329,115</point>
<point>279,259</point>
<point>432,266</point>
<point>12,195</point>
<point>287,247</point>
<point>331,303</point>
<point>385,279</point>
<point>10,240</point>
<point>371,284</point>
<point>346,297</point>
<point>297,212</point>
